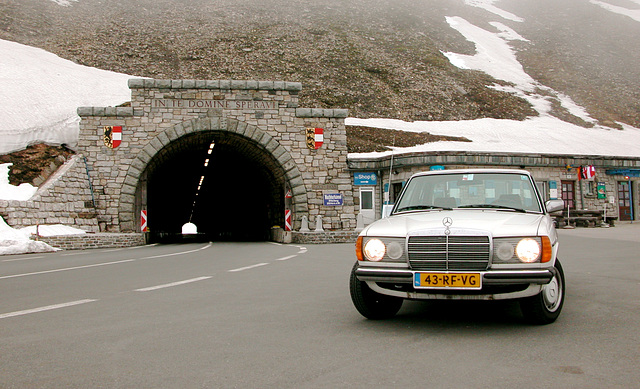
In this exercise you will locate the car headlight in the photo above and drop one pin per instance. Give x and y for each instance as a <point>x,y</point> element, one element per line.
<point>528,250</point>
<point>381,249</point>
<point>395,250</point>
<point>504,251</point>
<point>374,250</point>
<point>521,250</point>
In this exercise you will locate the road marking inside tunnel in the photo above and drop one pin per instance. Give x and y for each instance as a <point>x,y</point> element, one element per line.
<point>177,283</point>
<point>247,267</point>
<point>46,308</point>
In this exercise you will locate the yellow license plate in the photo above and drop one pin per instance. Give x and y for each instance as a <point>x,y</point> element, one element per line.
<point>442,280</point>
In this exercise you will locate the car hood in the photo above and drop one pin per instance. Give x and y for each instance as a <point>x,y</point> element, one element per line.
<point>497,223</point>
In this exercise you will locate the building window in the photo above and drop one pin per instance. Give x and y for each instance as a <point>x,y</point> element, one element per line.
<point>366,198</point>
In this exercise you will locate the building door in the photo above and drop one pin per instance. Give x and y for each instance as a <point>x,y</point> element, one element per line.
<point>569,194</point>
<point>624,200</point>
<point>367,205</point>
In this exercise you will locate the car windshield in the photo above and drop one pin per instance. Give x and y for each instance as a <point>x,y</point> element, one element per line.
<point>508,191</point>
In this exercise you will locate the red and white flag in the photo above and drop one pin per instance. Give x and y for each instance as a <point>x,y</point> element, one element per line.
<point>588,172</point>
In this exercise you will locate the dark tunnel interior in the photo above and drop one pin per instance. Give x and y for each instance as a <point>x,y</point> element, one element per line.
<point>239,199</point>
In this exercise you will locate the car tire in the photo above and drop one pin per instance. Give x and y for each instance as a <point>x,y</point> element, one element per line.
<point>370,304</point>
<point>545,307</point>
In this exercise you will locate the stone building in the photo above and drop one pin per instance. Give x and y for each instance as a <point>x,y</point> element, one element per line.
<point>615,186</point>
<point>239,159</point>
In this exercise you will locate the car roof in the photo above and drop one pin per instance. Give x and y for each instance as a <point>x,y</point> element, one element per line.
<point>473,171</point>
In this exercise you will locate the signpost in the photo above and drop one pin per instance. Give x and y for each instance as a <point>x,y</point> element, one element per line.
<point>369,178</point>
<point>333,199</point>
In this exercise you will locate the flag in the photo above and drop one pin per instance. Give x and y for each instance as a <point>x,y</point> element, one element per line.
<point>587,172</point>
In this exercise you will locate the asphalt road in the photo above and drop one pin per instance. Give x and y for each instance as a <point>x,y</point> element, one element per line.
<point>261,315</point>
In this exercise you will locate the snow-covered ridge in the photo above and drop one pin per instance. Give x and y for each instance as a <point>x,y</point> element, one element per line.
<point>41,92</point>
<point>543,134</point>
<point>64,3</point>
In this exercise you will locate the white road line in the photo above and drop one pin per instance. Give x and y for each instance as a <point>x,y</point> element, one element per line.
<point>127,248</point>
<point>76,252</point>
<point>47,308</point>
<point>101,264</point>
<point>248,267</point>
<point>180,253</point>
<point>66,269</point>
<point>21,259</point>
<point>287,257</point>
<point>172,284</point>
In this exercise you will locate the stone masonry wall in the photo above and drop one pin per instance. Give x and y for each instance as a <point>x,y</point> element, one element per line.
<point>264,112</point>
<point>94,241</point>
<point>65,198</point>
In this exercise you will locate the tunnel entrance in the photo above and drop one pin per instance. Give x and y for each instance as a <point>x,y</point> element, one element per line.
<point>229,186</point>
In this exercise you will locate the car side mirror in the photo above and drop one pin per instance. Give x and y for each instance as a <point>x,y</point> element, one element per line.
<point>554,205</point>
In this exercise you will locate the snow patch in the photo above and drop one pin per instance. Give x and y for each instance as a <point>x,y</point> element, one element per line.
<point>488,5</point>
<point>64,3</point>
<point>18,242</point>
<point>632,13</point>
<point>41,93</point>
<point>21,192</point>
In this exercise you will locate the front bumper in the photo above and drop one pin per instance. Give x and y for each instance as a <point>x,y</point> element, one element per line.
<point>494,277</point>
<point>496,284</point>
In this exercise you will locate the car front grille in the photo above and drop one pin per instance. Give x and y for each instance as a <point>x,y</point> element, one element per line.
<point>444,252</point>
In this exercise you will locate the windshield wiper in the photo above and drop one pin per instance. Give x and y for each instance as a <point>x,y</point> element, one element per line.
<point>416,207</point>
<point>494,206</point>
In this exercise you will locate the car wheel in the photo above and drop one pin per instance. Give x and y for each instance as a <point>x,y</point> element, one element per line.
<point>370,304</point>
<point>545,307</point>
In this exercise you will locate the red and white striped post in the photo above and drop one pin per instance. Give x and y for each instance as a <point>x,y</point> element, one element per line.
<point>143,221</point>
<point>287,220</point>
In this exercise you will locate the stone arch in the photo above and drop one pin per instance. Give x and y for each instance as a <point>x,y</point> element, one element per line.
<point>292,175</point>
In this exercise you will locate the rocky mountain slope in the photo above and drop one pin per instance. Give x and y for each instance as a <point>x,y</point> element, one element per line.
<point>376,58</point>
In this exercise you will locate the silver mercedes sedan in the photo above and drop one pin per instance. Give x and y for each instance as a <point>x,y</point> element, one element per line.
<point>474,234</point>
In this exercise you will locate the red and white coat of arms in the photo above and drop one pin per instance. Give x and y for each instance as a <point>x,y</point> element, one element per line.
<point>112,136</point>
